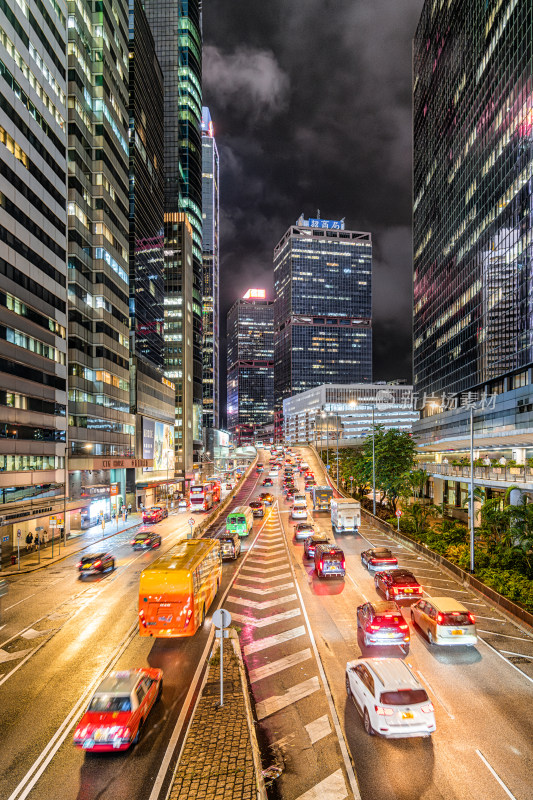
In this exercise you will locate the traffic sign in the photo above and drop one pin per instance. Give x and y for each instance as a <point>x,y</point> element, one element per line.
<point>5,538</point>
<point>19,533</point>
<point>351,477</point>
<point>191,522</point>
<point>398,513</point>
<point>221,618</point>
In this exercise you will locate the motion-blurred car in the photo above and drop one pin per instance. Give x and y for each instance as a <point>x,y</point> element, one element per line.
<point>311,543</point>
<point>257,508</point>
<point>154,514</point>
<point>118,710</point>
<point>183,505</point>
<point>445,621</point>
<point>378,558</point>
<point>389,698</point>
<point>303,530</point>
<point>229,486</point>
<point>400,584</point>
<point>267,498</point>
<point>146,540</point>
<point>95,563</point>
<point>268,482</point>
<point>382,623</point>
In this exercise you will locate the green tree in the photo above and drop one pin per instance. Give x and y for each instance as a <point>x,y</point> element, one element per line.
<point>394,459</point>
<point>417,481</point>
<point>416,518</point>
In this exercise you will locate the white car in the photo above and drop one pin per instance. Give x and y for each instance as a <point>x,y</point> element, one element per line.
<point>299,508</point>
<point>273,473</point>
<point>445,621</point>
<point>389,698</point>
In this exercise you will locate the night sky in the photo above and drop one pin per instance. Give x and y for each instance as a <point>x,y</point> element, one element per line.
<point>311,103</point>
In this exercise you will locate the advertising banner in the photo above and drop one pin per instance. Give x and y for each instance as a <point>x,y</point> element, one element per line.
<point>148,437</point>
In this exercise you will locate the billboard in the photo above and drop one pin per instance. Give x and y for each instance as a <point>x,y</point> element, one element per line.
<point>158,444</point>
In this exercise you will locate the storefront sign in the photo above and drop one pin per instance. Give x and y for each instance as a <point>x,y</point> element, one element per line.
<point>148,437</point>
<point>114,489</point>
<point>121,463</point>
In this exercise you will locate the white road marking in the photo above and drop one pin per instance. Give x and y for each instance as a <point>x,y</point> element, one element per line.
<point>262,570</point>
<point>31,633</point>
<point>495,775</point>
<point>494,619</point>
<point>277,702</point>
<point>278,666</point>
<point>271,620</point>
<point>270,579</point>
<point>318,728</point>
<point>242,601</point>
<point>265,559</point>
<point>510,663</point>
<point>333,711</point>
<point>447,589</point>
<point>272,641</point>
<point>245,588</point>
<point>506,636</point>
<point>5,656</point>
<point>331,788</point>
<point>522,655</point>
<point>433,692</point>
<point>357,587</point>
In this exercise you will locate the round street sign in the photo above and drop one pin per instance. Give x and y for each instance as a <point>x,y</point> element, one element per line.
<point>351,477</point>
<point>221,618</point>
<point>398,513</point>
<point>191,522</point>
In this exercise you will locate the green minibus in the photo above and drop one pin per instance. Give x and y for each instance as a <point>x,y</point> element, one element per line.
<point>240,521</point>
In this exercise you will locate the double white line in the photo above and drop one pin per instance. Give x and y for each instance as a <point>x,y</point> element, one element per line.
<point>41,762</point>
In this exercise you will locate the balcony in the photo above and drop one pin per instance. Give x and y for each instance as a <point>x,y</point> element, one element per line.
<point>486,475</point>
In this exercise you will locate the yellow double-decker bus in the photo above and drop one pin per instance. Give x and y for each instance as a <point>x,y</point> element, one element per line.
<point>176,591</point>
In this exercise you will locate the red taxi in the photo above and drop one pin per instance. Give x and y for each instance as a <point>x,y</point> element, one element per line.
<point>118,710</point>
<point>154,514</point>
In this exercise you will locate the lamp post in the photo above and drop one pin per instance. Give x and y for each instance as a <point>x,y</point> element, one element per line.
<point>472,490</point>
<point>373,465</point>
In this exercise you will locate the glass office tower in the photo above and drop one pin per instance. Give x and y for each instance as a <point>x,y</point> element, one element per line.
<point>323,307</point>
<point>33,268</point>
<point>100,423</point>
<point>210,252</point>
<point>250,378</point>
<point>473,150</point>
<point>176,27</point>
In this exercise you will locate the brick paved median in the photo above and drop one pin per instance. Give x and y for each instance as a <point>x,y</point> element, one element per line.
<point>217,759</point>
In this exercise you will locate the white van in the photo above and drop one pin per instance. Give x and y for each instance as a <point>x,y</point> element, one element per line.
<point>345,515</point>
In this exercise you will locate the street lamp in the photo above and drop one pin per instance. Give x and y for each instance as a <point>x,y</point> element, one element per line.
<point>472,490</point>
<point>373,464</point>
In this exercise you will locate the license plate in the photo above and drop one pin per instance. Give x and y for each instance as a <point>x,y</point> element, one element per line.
<point>391,635</point>
<point>408,591</point>
<point>457,633</point>
<point>407,715</point>
<point>88,743</point>
<point>88,566</point>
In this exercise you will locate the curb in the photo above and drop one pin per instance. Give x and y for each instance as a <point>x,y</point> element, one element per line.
<point>62,558</point>
<point>256,752</point>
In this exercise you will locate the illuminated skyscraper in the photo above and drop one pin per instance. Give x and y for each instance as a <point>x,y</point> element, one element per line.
<point>210,245</point>
<point>473,146</point>
<point>176,27</point>
<point>323,307</point>
<point>250,379</point>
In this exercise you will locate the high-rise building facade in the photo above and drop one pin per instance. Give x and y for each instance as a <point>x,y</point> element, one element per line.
<point>100,423</point>
<point>151,393</point>
<point>472,239</point>
<point>210,254</point>
<point>179,348</point>
<point>176,27</point>
<point>250,363</point>
<point>323,307</point>
<point>33,267</point>
<point>472,217</point>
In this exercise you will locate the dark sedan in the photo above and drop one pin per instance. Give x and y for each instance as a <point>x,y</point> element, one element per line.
<point>400,584</point>
<point>96,563</point>
<point>257,508</point>
<point>146,540</point>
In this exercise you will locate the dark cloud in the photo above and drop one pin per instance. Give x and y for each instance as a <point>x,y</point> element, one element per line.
<point>311,101</point>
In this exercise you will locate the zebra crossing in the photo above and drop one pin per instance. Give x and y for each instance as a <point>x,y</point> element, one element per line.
<point>287,684</point>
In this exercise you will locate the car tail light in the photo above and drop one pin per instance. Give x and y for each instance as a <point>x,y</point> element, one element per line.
<point>147,541</point>
<point>373,627</point>
<point>404,626</point>
<point>97,563</point>
<point>343,564</point>
<point>126,734</point>
<point>472,618</point>
<point>440,619</point>
<point>384,712</point>
<point>428,708</point>
<point>188,617</point>
<point>321,565</point>
<point>395,589</point>
<point>132,541</point>
<point>80,565</point>
<point>142,619</point>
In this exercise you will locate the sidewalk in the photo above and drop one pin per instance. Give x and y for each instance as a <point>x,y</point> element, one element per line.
<point>220,759</point>
<point>76,542</point>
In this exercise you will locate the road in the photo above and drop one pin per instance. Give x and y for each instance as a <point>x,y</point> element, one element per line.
<point>59,635</point>
<point>483,744</point>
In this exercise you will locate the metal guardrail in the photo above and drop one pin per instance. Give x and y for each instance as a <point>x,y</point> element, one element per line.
<point>487,473</point>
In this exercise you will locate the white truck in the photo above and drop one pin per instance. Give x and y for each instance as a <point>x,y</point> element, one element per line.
<point>345,515</point>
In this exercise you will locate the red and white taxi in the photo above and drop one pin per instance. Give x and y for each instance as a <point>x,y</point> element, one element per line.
<point>118,710</point>
<point>154,514</point>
